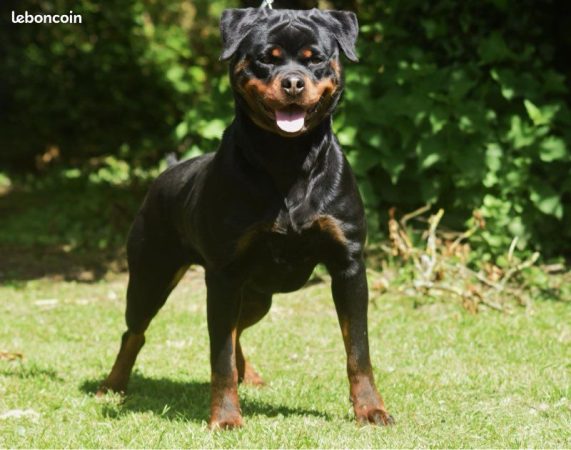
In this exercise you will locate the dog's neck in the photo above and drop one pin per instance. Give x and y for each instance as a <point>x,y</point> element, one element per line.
<point>285,159</point>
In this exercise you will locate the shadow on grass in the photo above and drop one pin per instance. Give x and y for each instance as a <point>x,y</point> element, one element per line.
<point>176,400</point>
<point>25,371</point>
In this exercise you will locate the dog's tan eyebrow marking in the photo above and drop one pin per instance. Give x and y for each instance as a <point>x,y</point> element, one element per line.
<point>306,53</point>
<point>277,52</point>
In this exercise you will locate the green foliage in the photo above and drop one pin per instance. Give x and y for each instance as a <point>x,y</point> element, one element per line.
<point>458,104</point>
<point>120,83</point>
<point>463,105</point>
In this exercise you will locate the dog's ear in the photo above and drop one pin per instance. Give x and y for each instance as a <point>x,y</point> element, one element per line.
<point>234,26</point>
<point>345,29</point>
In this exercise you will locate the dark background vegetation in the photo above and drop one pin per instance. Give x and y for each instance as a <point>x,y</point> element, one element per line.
<point>464,105</point>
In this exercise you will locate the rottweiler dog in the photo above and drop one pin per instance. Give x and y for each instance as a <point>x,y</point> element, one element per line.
<point>276,199</point>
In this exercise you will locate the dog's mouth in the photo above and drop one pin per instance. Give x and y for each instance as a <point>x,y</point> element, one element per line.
<point>291,119</point>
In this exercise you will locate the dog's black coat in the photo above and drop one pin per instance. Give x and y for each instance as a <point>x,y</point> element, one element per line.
<point>263,210</point>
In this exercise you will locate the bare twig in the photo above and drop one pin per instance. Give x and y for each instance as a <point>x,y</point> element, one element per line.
<point>518,268</point>
<point>404,219</point>
<point>432,265</point>
<point>492,305</point>
<point>11,356</point>
<point>553,268</point>
<point>511,250</point>
<point>466,235</point>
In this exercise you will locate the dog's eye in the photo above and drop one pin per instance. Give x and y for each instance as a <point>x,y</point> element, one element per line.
<point>311,57</point>
<point>272,56</point>
<point>269,59</point>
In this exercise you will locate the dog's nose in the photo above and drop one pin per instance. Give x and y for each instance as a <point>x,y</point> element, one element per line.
<point>293,85</point>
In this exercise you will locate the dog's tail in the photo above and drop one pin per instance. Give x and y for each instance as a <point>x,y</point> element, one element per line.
<point>171,159</point>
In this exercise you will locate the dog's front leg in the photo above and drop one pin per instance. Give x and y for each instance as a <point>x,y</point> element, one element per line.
<point>351,297</point>
<point>223,308</point>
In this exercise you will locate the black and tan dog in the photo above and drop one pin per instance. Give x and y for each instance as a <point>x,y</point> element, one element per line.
<point>277,198</point>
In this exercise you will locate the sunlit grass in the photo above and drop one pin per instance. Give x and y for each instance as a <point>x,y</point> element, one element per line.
<point>450,379</point>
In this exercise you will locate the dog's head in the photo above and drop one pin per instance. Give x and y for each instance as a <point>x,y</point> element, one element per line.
<point>285,66</point>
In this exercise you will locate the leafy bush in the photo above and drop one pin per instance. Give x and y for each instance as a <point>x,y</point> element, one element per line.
<point>119,83</point>
<point>462,105</point>
<point>458,104</point>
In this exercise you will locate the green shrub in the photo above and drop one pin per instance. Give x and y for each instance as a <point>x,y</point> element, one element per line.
<point>458,104</point>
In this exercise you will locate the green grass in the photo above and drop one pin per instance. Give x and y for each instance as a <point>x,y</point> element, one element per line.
<point>450,379</point>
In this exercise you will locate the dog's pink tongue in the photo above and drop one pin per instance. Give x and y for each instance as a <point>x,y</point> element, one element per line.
<point>290,121</point>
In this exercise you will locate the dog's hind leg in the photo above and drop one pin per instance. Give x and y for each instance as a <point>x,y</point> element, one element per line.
<point>254,306</point>
<point>156,265</point>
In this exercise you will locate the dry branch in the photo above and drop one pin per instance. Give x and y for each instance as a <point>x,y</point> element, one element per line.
<point>439,271</point>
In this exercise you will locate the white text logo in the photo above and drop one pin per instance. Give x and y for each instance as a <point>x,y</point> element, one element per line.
<point>46,18</point>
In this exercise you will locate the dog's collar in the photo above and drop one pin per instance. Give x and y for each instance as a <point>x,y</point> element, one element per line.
<point>267,4</point>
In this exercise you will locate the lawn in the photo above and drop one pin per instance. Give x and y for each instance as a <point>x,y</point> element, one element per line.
<point>451,379</point>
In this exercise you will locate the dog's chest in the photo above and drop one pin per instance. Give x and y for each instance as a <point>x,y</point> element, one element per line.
<point>281,255</point>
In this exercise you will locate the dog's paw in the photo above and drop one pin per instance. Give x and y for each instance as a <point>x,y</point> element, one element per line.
<point>372,415</point>
<point>227,421</point>
<point>109,387</point>
<point>251,377</point>
<point>102,391</point>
